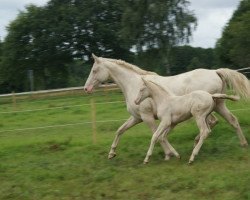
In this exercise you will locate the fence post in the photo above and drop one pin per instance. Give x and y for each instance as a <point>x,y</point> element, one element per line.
<point>106,93</point>
<point>93,114</point>
<point>14,100</point>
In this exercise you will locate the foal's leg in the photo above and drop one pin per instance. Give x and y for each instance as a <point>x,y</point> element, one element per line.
<point>204,131</point>
<point>128,124</point>
<point>225,113</point>
<point>150,121</point>
<point>160,130</point>
<point>169,145</point>
<point>211,122</point>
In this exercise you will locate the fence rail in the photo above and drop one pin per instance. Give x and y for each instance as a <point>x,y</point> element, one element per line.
<point>107,87</point>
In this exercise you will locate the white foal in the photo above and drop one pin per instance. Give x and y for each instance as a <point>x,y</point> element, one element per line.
<point>172,109</point>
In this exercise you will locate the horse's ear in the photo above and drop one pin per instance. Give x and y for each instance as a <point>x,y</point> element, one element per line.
<point>95,58</point>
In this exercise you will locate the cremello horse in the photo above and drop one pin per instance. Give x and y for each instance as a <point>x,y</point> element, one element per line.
<point>128,78</point>
<point>172,109</point>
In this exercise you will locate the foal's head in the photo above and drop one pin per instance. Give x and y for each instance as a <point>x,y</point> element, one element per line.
<point>143,93</point>
<point>98,74</point>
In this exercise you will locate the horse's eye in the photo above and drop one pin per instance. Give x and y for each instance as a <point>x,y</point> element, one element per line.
<point>94,71</point>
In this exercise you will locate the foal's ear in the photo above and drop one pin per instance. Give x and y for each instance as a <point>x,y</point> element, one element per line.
<point>97,60</point>
<point>144,80</point>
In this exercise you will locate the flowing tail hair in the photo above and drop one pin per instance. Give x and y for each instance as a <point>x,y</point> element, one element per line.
<point>224,96</point>
<point>236,81</point>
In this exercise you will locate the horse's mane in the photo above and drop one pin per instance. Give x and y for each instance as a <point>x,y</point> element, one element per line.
<point>130,66</point>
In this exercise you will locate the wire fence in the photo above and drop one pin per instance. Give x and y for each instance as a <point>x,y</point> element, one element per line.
<point>102,92</point>
<point>61,125</point>
<point>60,107</point>
<point>78,123</point>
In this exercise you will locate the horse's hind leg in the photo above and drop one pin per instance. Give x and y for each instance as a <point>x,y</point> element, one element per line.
<point>128,124</point>
<point>226,114</point>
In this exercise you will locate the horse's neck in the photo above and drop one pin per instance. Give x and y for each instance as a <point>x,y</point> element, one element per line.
<point>126,79</point>
<point>159,95</point>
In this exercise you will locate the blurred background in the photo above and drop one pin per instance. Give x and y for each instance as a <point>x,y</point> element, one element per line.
<point>51,41</point>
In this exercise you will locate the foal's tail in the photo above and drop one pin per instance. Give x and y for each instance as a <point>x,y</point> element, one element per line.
<point>224,96</point>
<point>236,81</point>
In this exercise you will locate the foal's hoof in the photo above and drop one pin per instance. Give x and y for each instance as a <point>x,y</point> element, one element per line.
<point>145,162</point>
<point>111,155</point>
<point>167,157</point>
<point>190,162</point>
<point>179,157</point>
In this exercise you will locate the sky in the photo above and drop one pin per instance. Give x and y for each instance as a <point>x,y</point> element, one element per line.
<point>212,16</point>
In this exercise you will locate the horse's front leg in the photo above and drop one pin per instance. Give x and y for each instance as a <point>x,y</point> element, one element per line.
<point>128,124</point>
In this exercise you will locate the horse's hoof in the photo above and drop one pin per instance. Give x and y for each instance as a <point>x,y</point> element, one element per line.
<point>244,145</point>
<point>111,155</point>
<point>190,162</point>
<point>179,157</point>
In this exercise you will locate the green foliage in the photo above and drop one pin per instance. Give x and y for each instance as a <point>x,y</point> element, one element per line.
<point>233,48</point>
<point>78,73</point>
<point>157,24</point>
<point>186,58</point>
<point>63,163</point>
<point>51,38</point>
<point>182,59</point>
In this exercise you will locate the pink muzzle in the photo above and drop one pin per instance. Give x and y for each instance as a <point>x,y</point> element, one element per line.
<point>88,88</point>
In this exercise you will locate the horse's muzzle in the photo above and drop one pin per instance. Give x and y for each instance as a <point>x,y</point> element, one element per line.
<point>88,89</point>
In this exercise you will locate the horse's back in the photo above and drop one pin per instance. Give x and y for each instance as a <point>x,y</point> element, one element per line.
<point>199,79</point>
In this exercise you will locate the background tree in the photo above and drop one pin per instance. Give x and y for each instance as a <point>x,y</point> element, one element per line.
<point>156,27</point>
<point>233,48</point>
<point>53,39</point>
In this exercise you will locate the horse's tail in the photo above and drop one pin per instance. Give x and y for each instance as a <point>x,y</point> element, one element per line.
<point>236,81</point>
<point>224,96</point>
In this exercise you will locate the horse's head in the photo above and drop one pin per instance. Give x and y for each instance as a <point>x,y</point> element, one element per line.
<point>143,93</point>
<point>98,74</point>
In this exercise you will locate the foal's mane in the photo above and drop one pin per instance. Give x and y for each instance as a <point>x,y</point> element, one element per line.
<point>165,90</point>
<point>130,66</point>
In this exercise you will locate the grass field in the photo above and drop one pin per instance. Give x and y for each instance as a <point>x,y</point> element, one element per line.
<point>63,163</point>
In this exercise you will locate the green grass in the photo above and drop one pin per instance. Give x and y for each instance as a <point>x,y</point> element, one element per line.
<point>63,163</point>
